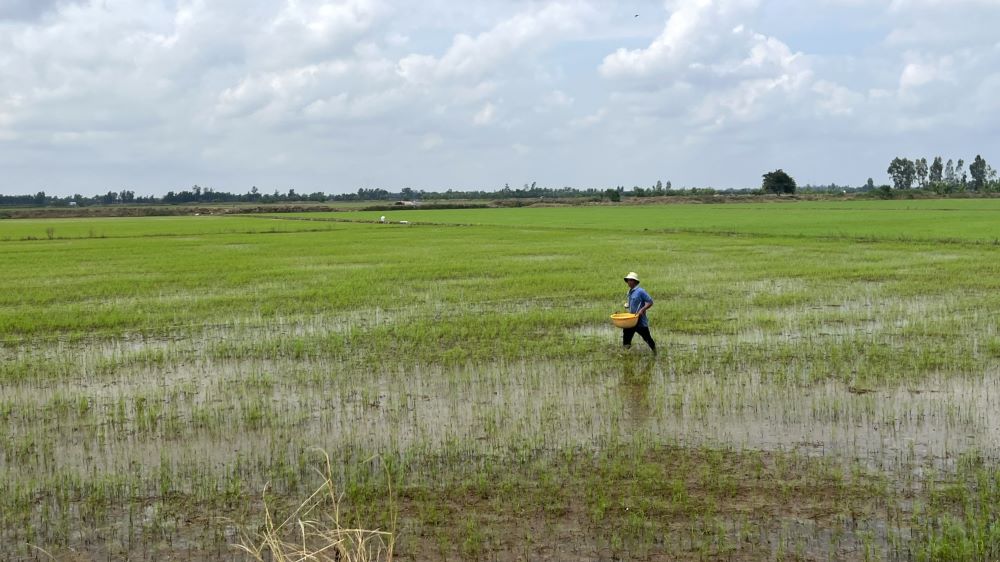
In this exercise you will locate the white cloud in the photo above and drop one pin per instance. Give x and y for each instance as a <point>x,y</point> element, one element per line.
<point>916,74</point>
<point>589,120</point>
<point>472,57</point>
<point>309,30</point>
<point>836,100</point>
<point>397,39</point>
<point>943,24</point>
<point>230,93</point>
<point>555,99</point>
<point>431,141</point>
<point>708,61</point>
<point>691,36</point>
<point>486,115</point>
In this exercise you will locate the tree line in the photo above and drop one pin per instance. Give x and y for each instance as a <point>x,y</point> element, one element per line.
<point>203,195</point>
<point>938,176</point>
<point>943,177</point>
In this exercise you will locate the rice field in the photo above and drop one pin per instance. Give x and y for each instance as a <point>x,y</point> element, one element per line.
<point>826,389</point>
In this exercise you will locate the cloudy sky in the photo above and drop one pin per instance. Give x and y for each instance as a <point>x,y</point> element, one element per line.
<point>154,95</point>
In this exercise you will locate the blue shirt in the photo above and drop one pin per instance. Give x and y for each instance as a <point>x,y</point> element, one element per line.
<point>638,297</point>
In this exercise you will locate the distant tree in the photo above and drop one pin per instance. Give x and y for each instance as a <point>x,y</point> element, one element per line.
<point>778,182</point>
<point>949,172</point>
<point>978,172</point>
<point>991,179</point>
<point>921,168</point>
<point>960,175</point>
<point>902,171</point>
<point>613,194</point>
<point>935,170</point>
<point>870,184</point>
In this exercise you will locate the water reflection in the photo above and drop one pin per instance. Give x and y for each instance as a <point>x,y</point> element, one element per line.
<point>634,388</point>
<point>251,407</point>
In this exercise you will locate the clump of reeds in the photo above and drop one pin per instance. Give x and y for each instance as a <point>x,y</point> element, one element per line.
<point>313,532</point>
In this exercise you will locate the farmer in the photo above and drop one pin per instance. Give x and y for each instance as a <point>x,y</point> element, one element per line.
<point>639,302</point>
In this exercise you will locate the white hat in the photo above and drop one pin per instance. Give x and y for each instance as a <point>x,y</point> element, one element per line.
<point>632,275</point>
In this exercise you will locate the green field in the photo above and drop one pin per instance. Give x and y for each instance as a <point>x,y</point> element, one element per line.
<point>826,389</point>
<point>938,220</point>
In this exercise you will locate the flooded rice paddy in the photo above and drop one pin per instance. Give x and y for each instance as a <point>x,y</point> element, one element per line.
<point>811,399</point>
<point>483,408</point>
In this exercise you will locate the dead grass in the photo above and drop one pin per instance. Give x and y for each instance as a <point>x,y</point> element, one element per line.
<point>313,532</point>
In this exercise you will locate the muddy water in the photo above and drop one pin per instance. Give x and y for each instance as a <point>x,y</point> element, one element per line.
<point>210,412</point>
<point>894,428</point>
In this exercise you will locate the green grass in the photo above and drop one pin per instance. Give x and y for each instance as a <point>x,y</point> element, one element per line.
<point>156,374</point>
<point>909,219</point>
<point>14,230</point>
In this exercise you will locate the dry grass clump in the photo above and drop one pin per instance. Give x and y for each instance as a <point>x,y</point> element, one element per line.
<point>313,533</point>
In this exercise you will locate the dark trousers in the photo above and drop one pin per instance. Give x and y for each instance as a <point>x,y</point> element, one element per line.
<point>643,331</point>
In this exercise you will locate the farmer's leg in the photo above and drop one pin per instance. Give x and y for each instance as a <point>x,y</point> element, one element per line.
<point>644,332</point>
<point>627,334</point>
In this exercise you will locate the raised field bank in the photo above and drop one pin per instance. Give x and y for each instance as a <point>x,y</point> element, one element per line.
<point>827,384</point>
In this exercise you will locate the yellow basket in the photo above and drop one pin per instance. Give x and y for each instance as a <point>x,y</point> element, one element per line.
<point>625,320</point>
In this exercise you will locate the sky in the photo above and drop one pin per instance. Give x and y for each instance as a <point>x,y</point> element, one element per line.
<point>159,95</point>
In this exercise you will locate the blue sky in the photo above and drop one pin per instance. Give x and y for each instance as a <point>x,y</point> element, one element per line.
<point>157,95</point>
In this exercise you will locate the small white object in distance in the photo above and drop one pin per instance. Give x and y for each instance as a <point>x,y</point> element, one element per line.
<point>404,222</point>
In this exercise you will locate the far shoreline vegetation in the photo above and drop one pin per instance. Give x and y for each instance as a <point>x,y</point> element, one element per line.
<point>934,180</point>
<point>55,207</point>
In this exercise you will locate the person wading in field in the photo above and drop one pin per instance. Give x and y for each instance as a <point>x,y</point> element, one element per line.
<point>639,302</point>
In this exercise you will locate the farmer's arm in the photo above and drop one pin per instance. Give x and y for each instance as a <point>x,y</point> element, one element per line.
<point>646,306</point>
